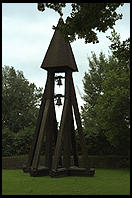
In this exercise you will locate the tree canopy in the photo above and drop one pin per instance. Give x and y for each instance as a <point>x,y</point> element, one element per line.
<point>20,100</point>
<point>107,95</point>
<point>86,19</point>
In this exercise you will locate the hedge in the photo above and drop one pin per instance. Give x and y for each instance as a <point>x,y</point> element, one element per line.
<point>94,161</point>
<point>16,143</point>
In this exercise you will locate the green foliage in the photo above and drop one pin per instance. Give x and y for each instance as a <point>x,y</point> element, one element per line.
<point>23,140</point>
<point>121,51</point>
<point>8,138</point>
<point>97,144</point>
<point>93,89</point>
<point>55,6</point>
<point>86,19</point>
<point>107,96</point>
<point>16,143</point>
<point>20,100</point>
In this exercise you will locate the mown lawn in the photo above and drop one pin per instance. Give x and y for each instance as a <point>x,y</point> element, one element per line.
<point>105,182</point>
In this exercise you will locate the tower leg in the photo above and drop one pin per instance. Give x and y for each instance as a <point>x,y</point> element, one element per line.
<point>50,133</point>
<point>58,147</point>
<point>46,110</point>
<point>79,126</point>
<point>27,166</point>
<point>40,136</point>
<point>73,141</point>
<point>67,138</point>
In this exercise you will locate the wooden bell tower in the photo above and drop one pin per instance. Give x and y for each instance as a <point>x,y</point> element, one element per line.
<point>60,144</point>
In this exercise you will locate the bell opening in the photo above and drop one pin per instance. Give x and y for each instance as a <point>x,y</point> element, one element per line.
<point>59,90</point>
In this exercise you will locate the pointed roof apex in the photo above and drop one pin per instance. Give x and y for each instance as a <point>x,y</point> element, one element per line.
<point>59,56</point>
<point>60,20</point>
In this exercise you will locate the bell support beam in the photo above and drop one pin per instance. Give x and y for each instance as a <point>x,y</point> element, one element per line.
<point>69,95</point>
<point>73,141</point>
<point>58,147</point>
<point>40,115</point>
<point>44,120</point>
<point>51,125</point>
<point>41,135</point>
<point>67,121</point>
<point>51,132</point>
<point>79,125</point>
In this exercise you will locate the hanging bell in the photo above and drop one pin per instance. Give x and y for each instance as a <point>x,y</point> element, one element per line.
<point>58,101</point>
<point>59,82</point>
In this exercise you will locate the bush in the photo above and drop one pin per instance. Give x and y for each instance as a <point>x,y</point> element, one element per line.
<point>16,143</point>
<point>23,140</point>
<point>8,139</point>
<point>99,145</point>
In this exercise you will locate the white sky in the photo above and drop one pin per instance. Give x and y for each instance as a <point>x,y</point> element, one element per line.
<point>27,32</point>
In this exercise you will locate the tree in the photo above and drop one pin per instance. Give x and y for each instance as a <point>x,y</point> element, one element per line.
<point>95,135</point>
<point>85,19</point>
<point>92,87</point>
<point>113,107</point>
<point>107,97</point>
<point>20,100</point>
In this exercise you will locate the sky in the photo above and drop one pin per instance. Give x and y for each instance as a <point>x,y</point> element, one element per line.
<point>26,35</point>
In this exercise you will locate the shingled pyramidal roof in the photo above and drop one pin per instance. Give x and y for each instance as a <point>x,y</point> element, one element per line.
<point>59,56</point>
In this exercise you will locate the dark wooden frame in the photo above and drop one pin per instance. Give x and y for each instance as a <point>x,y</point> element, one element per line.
<point>64,139</point>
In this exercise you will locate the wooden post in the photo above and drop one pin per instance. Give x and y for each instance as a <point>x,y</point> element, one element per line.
<point>58,147</point>
<point>45,111</point>
<point>73,141</point>
<point>50,132</point>
<point>40,115</point>
<point>79,126</point>
<point>41,135</point>
<point>68,122</point>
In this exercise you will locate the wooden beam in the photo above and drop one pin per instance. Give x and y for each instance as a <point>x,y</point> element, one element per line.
<point>58,147</point>
<point>73,142</point>
<point>79,126</point>
<point>41,135</point>
<point>67,138</point>
<point>50,132</point>
<point>67,122</point>
<point>48,95</point>
<point>40,115</point>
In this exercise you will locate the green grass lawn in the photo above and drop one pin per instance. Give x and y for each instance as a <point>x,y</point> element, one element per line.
<point>105,182</point>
